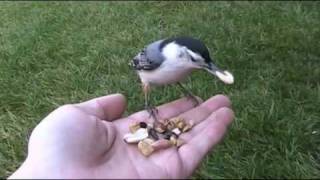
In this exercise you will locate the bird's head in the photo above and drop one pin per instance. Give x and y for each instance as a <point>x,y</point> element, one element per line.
<point>202,60</point>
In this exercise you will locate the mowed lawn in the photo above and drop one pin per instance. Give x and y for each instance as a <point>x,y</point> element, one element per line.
<point>55,53</point>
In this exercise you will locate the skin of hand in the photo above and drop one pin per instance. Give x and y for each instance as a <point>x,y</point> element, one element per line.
<point>85,140</point>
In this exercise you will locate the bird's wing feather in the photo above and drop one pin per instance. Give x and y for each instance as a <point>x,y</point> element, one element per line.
<point>150,57</point>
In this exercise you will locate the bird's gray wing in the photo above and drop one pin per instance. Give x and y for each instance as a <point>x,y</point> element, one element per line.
<point>149,58</point>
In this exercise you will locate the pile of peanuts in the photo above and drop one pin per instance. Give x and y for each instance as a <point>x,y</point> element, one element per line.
<point>160,135</point>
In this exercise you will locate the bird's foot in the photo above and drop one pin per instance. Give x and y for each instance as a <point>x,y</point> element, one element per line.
<point>189,95</point>
<point>194,100</point>
<point>153,111</point>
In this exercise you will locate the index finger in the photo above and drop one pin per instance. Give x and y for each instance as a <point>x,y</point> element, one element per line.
<point>108,107</point>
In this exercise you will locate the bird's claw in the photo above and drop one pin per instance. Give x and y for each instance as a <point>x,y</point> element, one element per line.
<point>194,100</point>
<point>153,111</point>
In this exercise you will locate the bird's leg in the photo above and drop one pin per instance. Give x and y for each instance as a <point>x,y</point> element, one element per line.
<point>153,111</point>
<point>189,94</point>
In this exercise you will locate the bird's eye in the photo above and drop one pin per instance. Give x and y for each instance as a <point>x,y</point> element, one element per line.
<point>192,59</point>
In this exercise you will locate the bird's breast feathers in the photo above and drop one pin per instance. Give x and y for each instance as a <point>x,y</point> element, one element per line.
<point>163,76</point>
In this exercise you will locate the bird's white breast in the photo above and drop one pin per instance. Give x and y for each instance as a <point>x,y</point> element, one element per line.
<point>162,76</point>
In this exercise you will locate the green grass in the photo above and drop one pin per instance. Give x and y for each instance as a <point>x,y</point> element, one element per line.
<point>55,53</point>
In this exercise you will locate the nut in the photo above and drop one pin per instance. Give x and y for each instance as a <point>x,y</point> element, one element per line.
<point>134,127</point>
<point>160,128</point>
<point>188,127</point>
<point>179,142</point>
<point>143,125</point>
<point>173,140</point>
<point>176,131</point>
<point>175,135</point>
<point>145,147</point>
<point>139,135</point>
<point>171,125</point>
<point>176,120</point>
<point>181,125</point>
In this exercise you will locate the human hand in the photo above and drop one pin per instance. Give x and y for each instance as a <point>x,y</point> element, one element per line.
<point>85,140</point>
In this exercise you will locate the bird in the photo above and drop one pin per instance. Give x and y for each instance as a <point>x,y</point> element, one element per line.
<point>170,61</point>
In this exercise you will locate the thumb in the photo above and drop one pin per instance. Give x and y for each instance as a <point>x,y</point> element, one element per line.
<point>108,107</point>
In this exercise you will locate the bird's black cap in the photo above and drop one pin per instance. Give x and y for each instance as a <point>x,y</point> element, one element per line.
<point>193,44</point>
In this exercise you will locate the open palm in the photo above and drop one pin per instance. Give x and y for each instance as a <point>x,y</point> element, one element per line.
<point>85,140</point>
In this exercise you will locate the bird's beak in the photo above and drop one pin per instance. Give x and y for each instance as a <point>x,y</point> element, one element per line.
<point>224,76</point>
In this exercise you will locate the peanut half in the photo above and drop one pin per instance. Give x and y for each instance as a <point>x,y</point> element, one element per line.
<point>134,127</point>
<point>139,135</point>
<point>145,147</point>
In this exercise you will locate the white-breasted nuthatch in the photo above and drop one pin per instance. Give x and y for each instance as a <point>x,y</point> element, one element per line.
<point>171,60</point>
